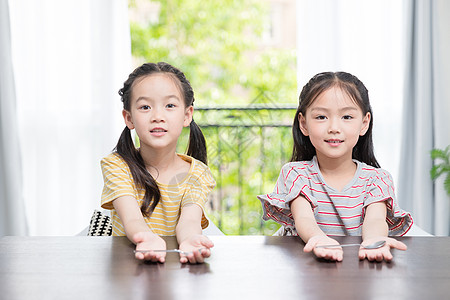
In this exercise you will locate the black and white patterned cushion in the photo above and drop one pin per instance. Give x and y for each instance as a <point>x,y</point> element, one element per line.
<point>100,224</point>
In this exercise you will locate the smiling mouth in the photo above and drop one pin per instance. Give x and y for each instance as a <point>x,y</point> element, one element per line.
<point>334,141</point>
<point>158,130</point>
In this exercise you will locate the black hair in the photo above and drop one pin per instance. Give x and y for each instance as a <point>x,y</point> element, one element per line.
<point>355,89</point>
<point>125,146</point>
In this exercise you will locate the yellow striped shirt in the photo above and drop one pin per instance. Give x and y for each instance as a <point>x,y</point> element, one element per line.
<point>194,188</point>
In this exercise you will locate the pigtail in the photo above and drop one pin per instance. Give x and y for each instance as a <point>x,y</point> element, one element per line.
<point>197,143</point>
<point>142,178</point>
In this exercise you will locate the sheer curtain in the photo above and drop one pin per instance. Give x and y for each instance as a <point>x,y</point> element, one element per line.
<point>70,58</point>
<point>364,38</point>
<point>12,213</point>
<point>426,112</point>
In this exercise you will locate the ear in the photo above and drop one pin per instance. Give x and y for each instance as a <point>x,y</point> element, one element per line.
<point>366,123</point>
<point>128,119</point>
<point>188,115</point>
<point>302,124</point>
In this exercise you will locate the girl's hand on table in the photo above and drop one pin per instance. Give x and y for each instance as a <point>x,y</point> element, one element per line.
<point>147,241</point>
<point>332,254</point>
<point>382,253</point>
<point>198,248</point>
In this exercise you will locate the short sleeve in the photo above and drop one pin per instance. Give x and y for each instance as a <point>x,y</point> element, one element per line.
<point>381,188</point>
<point>198,187</point>
<point>290,184</point>
<point>117,180</point>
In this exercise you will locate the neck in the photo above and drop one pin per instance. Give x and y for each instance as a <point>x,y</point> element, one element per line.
<point>158,159</point>
<point>335,166</point>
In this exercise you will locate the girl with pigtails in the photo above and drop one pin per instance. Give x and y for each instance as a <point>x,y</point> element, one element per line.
<point>153,191</point>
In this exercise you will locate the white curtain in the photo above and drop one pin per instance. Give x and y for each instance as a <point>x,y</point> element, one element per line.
<point>70,58</point>
<point>426,112</point>
<point>364,38</point>
<point>12,212</point>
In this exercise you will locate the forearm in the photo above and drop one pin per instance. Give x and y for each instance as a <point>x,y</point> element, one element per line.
<point>186,228</point>
<point>131,217</point>
<point>374,227</point>
<point>307,228</point>
<point>134,226</point>
<point>304,220</point>
<point>375,224</point>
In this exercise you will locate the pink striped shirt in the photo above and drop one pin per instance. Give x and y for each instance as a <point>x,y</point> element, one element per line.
<point>336,212</point>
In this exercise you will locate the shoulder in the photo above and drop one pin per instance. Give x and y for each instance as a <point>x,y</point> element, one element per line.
<point>199,170</point>
<point>113,161</point>
<point>295,168</point>
<point>196,165</point>
<point>113,157</point>
<point>368,172</point>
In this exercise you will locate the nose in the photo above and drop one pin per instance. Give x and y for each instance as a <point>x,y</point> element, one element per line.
<point>334,126</point>
<point>157,115</point>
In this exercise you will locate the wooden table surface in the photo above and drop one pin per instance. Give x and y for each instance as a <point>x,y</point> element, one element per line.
<point>241,267</point>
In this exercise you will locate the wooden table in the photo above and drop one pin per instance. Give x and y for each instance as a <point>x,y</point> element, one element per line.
<point>241,267</point>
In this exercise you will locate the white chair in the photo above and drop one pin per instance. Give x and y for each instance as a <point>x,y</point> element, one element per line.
<point>417,231</point>
<point>212,229</point>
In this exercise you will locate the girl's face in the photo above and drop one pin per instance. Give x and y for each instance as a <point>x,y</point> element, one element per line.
<point>157,112</point>
<point>334,123</point>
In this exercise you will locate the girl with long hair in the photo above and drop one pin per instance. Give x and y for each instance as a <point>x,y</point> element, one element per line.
<point>152,191</point>
<point>334,184</point>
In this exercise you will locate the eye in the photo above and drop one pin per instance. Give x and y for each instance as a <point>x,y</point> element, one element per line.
<point>170,105</point>
<point>320,117</point>
<point>144,107</point>
<point>347,117</point>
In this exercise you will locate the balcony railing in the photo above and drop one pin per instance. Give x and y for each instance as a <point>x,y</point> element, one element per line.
<point>247,146</point>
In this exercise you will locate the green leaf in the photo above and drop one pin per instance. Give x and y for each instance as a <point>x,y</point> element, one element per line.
<point>447,183</point>
<point>443,167</point>
<point>438,154</point>
<point>433,172</point>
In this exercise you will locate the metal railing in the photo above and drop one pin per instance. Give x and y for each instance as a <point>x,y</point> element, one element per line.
<point>247,146</point>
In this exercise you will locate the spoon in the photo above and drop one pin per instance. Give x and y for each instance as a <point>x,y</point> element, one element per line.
<point>170,250</point>
<point>375,245</point>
